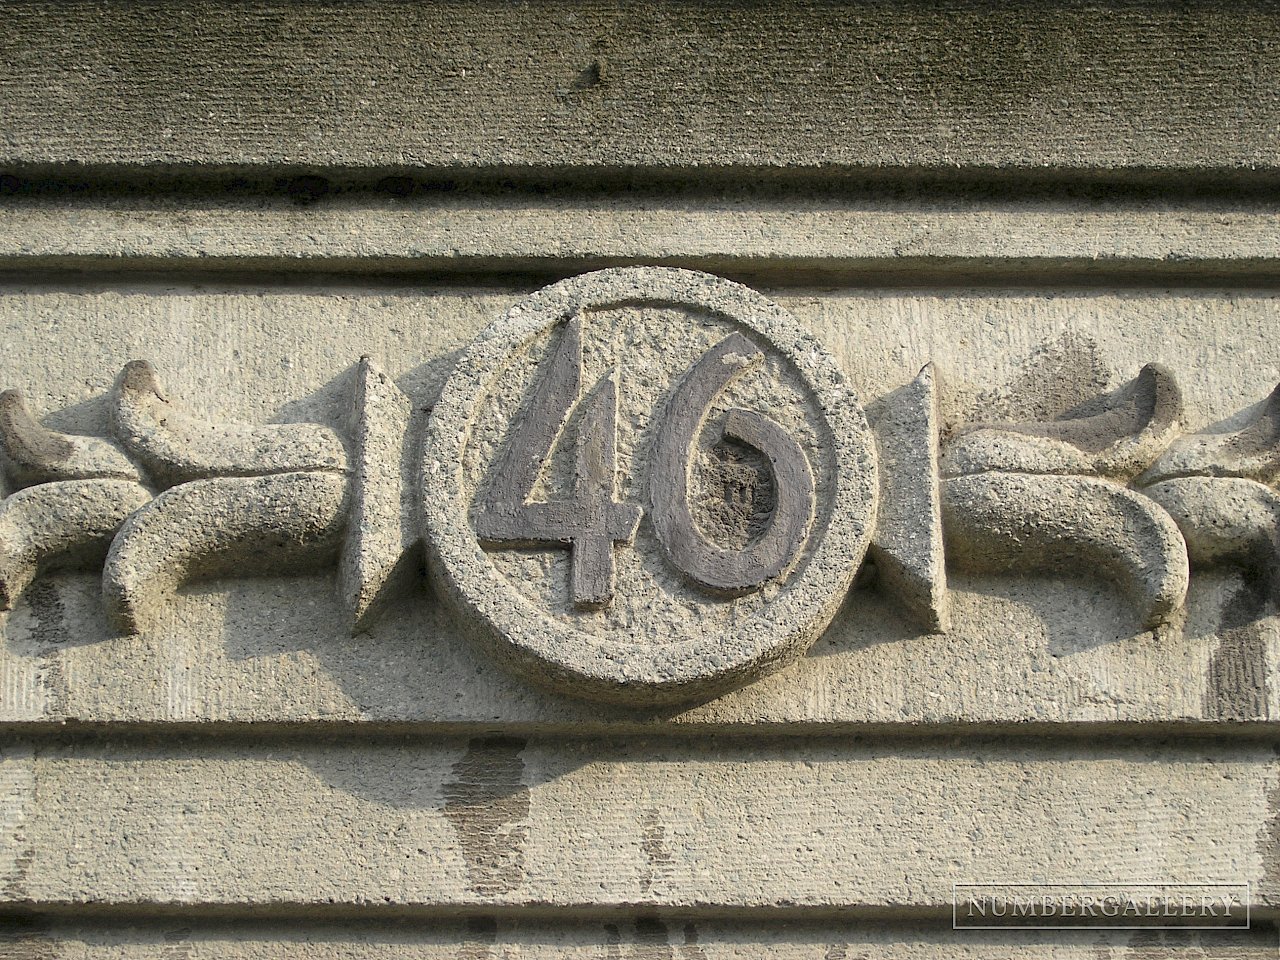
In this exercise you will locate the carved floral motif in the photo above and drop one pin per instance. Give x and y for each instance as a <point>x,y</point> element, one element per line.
<point>1117,487</point>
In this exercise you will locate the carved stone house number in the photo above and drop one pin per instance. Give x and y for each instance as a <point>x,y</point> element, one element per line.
<point>642,485</point>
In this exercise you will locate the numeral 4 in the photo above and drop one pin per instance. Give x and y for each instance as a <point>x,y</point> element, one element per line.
<point>590,522</point>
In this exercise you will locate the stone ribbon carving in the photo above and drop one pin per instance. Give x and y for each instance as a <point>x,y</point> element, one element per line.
<point>171,498</point>
<point>1051,496</point>
<point>642,485</point>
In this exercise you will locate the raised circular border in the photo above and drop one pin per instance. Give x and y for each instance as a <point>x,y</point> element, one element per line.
<point>541,648</point>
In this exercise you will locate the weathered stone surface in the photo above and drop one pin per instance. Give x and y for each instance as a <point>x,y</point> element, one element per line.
<point>902,237</point>
<point>628,936</point>
<point>665,637</point>
<point>223,526</point>
<point>907,544</point>
<point>1021,651</point>
<point>1051,88</point>
<point>1251,452</point>
<point>378,556</point>
<point>1067,525</point>
<point>31,453</point>
<point>1036,199</point>
<point>794,826</point>
<point>178,448</point>
<point>1116,436</point>
<point>69,523</point>
<point>1223,519</point>
<point>1023,655</point>
<point>277,346</point>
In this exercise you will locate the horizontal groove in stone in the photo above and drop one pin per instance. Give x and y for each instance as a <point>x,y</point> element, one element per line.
<point>300,185</point>
<point>1205,733</point>
<point>626,936</point>
<point>905,273</point>
<point>893,242</point>
<point>448,915</point>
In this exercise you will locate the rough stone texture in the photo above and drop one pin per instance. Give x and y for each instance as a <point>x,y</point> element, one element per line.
<point>625,937</point>
<point>665,642</point>
<point>1116,436</point>
<point>791,828</point>
<point>450,85</point>
<point>178,448</point>
<point>68,523</point>
<point>1039,199</point>
<point>1009,522</point>
<point>32,454</point>
<point>907,542</point>
<point>1021,650</point>
<point>378,556</point>
<point>223,526</point>
<point>903,236</point>
<point>1249,452</point>
<point>1224,519</point>
<point>1023,656</point>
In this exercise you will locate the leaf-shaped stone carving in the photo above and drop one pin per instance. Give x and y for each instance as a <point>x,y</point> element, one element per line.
<point>1117,438</point>
<point>1007,522</point>
<point>1252,452</point>
<point>176,447</point>
<point>33,454</point>
<point>67,523</point>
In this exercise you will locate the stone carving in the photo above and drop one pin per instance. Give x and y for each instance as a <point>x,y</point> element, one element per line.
<point>34,455</point>
<point>1225,520</point>
<point>1251,453</point>
<point>66,523</point>
<point>589,521</point>
<point>177,448</point>
<point>378,558</point>
<point>181,498</point>
<point>710,407</point>
<point>1216,488</point>
<point>732,572</point>
<point>643,485</point>
<point>907,545</point>
<point>74,494</point>
<point>1050,496</point>
<point>219,526</point>
<point>1006,522</point>
<point>1118,437</point>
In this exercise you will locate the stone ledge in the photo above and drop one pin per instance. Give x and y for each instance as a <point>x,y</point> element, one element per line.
<point>1033,86</point>
<point>780,240</point>
<point>625,937</point>
<point>807,828</point>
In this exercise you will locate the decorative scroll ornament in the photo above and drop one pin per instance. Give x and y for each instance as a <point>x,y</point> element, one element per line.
<point>642,485</point>
<point>1049,496</point>
<point>173,498</point>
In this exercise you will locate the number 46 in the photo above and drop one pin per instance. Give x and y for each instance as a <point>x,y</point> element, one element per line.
<point>589,522</point>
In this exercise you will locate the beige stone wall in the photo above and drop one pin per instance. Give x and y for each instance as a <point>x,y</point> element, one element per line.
<point>1037,199</point>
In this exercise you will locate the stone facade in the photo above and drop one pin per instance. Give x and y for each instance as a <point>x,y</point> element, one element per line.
<point>639,481</point>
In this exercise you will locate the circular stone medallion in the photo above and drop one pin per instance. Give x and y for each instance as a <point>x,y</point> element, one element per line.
<point>646,485</point>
